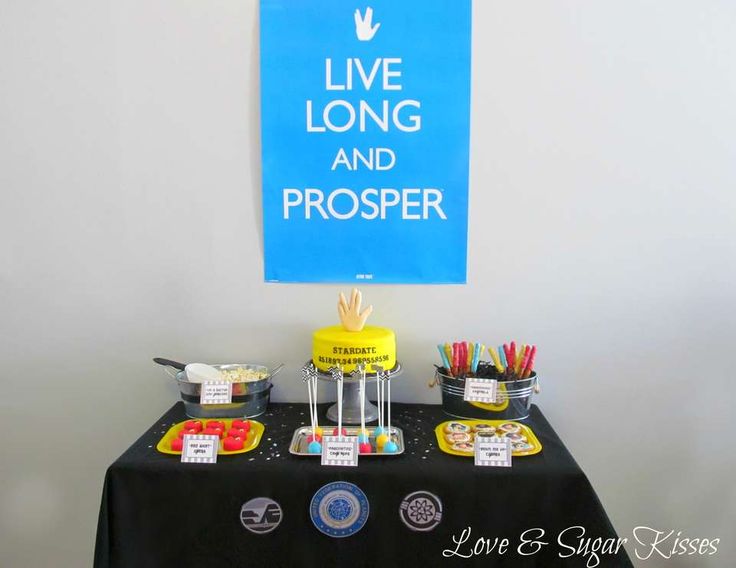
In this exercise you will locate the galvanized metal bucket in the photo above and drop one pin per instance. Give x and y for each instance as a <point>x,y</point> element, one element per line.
<point>513,399</point>
<point>250,399</point>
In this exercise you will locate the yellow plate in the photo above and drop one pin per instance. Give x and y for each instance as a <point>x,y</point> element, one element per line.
<point>251,442</point>
<point>446,447</point>
<point>495,406</point>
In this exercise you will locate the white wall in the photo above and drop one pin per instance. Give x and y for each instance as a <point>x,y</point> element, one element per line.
<point>601,228</point>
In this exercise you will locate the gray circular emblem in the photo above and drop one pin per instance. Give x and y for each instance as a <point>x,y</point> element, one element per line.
<point>421,511</point>
<point>261,515</point>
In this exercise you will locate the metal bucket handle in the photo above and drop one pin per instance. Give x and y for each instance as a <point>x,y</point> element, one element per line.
<point>276,370</point>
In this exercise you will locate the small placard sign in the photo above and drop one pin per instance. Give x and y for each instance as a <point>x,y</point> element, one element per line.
<point>492,451</point>
<point>216,392</point>
<point>340,450</point>
<point>480,390</point>
<point>199,448</point>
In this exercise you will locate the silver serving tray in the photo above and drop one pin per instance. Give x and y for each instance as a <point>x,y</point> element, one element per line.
<point>298,446</point>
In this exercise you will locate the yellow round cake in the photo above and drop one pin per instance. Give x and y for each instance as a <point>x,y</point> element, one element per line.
<point>371,346</point>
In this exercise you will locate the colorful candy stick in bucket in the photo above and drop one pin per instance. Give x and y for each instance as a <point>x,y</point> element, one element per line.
<point>443,358</point>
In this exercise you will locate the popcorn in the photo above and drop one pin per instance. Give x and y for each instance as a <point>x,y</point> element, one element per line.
<point>241,375</point>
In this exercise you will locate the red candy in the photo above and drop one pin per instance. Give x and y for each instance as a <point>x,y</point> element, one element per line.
<point>193,425</point>
<point>177,444</point>
<point>213,432</point>
<point>215,424</point>
<point>365,448</point>
<point>232,444</point>
<point>242,425</point>
<point>237,433</point>
<point>187,432</point>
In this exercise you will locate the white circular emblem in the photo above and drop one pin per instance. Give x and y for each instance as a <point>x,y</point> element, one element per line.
<point>261,515</point>
<point>421,511</point>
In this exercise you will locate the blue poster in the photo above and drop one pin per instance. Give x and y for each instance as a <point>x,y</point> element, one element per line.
<point>365,111</point>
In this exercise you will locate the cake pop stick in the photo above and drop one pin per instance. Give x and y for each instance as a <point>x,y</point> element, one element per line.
<point>315,386</point>
<point>337,376</point>
<point>381,437</point>
<point>379,429</point>
<point>309,375</point>
<point>364,446</point>
<point>390,446</point>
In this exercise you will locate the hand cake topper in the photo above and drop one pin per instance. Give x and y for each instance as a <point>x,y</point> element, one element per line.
<point>351,317</point>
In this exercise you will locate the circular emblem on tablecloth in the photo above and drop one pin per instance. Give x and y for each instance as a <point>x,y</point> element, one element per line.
<point>261,515</point>
<point>339,509</point>
<point>421,511</point>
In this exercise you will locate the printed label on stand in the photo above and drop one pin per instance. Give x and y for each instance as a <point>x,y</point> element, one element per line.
<point>492,451</point>
<point>199,448</point>
<point>340,450</point>
<point>480,390</point>
<point>216,392</point>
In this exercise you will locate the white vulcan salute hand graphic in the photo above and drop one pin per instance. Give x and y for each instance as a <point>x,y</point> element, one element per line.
<point>363,26</point>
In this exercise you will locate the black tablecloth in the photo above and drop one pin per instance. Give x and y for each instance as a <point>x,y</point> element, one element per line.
<point>159,512</point>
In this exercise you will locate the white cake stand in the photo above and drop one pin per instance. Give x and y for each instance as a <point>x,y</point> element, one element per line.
<point>351,397</point>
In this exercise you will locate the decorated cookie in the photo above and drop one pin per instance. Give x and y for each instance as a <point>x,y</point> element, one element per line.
<point>464,447</point>
<point>485,429</point>
<point>521,446</point>
<point>510,427</point>
<point>457,437</point>
<point>451,427</point>
<point>516,437</point>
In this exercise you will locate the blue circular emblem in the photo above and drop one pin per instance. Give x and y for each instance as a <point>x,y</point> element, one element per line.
<point>339,509</point>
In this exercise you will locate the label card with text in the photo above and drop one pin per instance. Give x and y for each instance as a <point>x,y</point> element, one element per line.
<point>365,122</point>
<point>199,448</point>
<point>340,450</point>
<point>492,451</point>
<point>480,390</point>
<point>216,392</point>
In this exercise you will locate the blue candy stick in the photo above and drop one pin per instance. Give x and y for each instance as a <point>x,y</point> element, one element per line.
<point>443,356</point>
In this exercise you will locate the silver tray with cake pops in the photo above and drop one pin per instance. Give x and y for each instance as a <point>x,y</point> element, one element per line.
<point>383,439</point>
<point>302,436</point>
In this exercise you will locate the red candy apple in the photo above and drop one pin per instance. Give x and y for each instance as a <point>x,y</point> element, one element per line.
<point>187,432</point>
<point>215,424</point>
<point>242,425</point>
<point>232,443</point>
<point>177,444</point>
<point>213,432</point>
<point>237,433</point>
<point>193,425</point>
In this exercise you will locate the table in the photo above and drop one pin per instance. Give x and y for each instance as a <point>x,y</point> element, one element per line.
<point>161,513</point>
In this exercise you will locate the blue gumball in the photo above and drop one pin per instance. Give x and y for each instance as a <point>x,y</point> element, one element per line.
<point>314,447</point>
